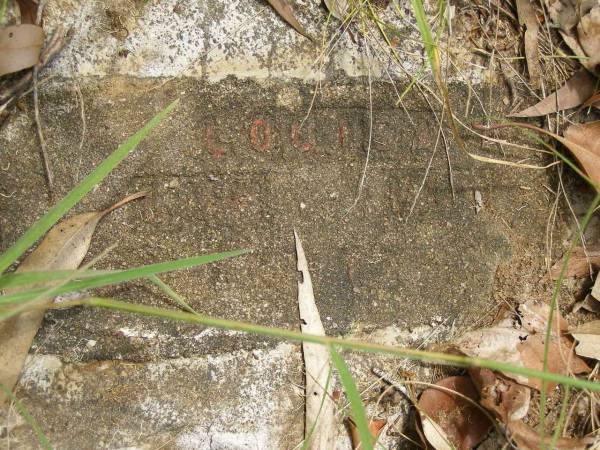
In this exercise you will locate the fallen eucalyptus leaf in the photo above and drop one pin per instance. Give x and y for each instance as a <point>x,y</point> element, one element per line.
<point>375,427</point>
<point>528,19</point>
<point>20,47</point>
<point>588,336</point>
<point>448,420</point>
<point>63,248</point>
<point>573,93</point>
<point>284,9</point>
<point>320,428</point>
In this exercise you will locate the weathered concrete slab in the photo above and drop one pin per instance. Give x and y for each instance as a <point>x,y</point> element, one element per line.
<point>239,165</point>
<point>233,169</point>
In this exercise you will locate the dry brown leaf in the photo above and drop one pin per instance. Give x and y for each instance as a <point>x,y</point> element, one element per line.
<point>588,32</point>
<point>63,248</point>
<point>449,421</point>
<point>320,426</point>
<point>375,427</point>
<point>589,303</point>
<point>578,265</point>
<point>284,9</point>
<point>28,9</point>
<point>20,47</point>
<point>506,399</point>
<point>337,8</point>
<point>527,438</point>
<point>498,343</point>
<point>534,318</point>
<point>561,358</point>
<point>518,347</point>
<point>583,140</point>
<point>579,25</point>
<point>588,336</point>
<point>528,19</point>
<point>594,101</point>
<point>573,93</point>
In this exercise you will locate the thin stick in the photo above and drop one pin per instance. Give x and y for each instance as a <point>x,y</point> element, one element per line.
<point>40,133</point>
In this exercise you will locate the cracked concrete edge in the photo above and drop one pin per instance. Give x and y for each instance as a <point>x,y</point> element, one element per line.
<point>258,394</point>
<point>215,39</point>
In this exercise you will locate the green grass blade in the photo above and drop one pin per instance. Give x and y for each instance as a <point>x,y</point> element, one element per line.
<point>170,292</point>
<point>3,5</point>
<point>42,439</point>
<point>426,35</point>
<point>359,414</point>
<point>38,229</point>
<point>121,276</point>
<point>14,280</point>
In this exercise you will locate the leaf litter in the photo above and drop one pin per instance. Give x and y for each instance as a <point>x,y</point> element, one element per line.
<point>320,424</point>
<point>63,248</point>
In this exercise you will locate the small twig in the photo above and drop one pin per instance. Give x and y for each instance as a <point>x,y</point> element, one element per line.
<point>40,133</point>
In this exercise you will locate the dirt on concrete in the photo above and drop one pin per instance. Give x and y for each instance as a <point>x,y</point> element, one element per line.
<point>240,164</point>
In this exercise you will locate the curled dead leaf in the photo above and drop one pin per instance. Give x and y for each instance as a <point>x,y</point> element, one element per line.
<point>449,420</point>
<point>63,248</point>
<point>506,399</point>
<point>375,427</point>
<point>572,94</point>
<point>579,264</point>
<point>20,47</point>
<point>588,336</point>
<point>588,32</point>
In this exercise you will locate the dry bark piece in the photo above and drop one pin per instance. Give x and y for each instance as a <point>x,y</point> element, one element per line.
<point>588,336</point>
<point>506,399</point>
<point>528,19</point>
<point>375,427</point>
<point>320,427</point>
<point>20,47</point>
<point>450,421</point>
<point>578,265</point>
<point>527,438</point>
<point>63,248</point>
<point>284,9</point>
<point>573,93</point>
